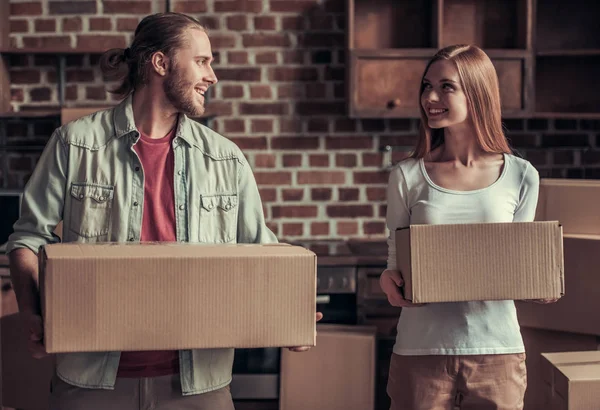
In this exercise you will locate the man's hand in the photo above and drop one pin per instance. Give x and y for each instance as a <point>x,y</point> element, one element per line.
<point>318,317</point>
<point>34,328</point>
<point>391,281</point>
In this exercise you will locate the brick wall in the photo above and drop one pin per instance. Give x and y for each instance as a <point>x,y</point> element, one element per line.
<point>281,98</point>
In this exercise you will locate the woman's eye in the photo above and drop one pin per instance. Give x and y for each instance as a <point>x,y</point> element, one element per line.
<point>448,86</point>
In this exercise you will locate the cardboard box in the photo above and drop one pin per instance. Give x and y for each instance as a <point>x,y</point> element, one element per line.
<point>545,341</point>
<point>574,203</point>
<point>25,380</point>
<point>577,311</point>
<point>120,297</point>
<point>495,261</point>
<point>339,373</point>
<point>573,379</point>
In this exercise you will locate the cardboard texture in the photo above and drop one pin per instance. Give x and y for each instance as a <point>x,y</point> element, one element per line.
<point>339,373</point>
<point>545,341</point>
<point>25,380</point>
<point>467,262</point>
<point>573,380</point>
<point>120,297</point>
<point>574,203</point>
<point>574,312</point>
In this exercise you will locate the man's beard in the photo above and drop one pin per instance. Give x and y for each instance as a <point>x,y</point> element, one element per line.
<point>180,94</point>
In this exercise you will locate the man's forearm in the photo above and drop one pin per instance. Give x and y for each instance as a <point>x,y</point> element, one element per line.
<point>24,276</point>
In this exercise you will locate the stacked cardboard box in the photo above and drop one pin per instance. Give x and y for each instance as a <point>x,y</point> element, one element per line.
<point>572,324</point>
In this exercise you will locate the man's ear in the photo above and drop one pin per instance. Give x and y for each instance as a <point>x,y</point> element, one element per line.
<point>160,63</point>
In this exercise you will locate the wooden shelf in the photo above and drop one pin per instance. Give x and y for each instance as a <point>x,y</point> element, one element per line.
<point>37,113</point>
<point>569,53</point>
<point>574,28</point>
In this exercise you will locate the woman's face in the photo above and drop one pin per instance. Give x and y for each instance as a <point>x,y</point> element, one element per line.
<point>443,99</point>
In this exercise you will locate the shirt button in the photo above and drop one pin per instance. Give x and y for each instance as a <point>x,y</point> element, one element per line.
<point>131,239</point>
<point>135,203</point>
<point>101,198</point>
<point>80,196</point>
<point>181,207</point>
<point>179,172</point>
<point>137,169</point>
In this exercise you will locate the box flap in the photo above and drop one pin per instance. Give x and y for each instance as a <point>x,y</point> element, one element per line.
<point>404,260</point>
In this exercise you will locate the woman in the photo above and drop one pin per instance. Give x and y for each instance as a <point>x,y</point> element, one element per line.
<point>467,354</point>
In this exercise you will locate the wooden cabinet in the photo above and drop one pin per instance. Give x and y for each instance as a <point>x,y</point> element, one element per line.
<point>546,59</point>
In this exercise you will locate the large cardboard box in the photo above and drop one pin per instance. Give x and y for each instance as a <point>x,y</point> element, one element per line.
<point>539,341</point>
<point>573,379</point>
<point>574,203</point>
<point>120,297</point>
<point>577,311</point>
<point>25,380</point>
<point>495,261</point>
<point>339,373</point>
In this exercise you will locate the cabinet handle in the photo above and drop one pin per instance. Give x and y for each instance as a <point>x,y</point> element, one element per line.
<point>394,103</point>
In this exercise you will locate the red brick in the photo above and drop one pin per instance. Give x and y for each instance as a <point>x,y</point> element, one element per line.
<point>189,6</point>
<point>299,143</point>
<point>290,125</point>
<point>73,7</point>
<point>292,194</point>
<point>319,229</point>
<point>349,211</point>
<point>266,40</point>
<point>319,40</point>
<point>334,74</point>
<point>400,124</point>
<point>345,160</point>
<point>234,126</point>
<point>319,160</point>
<point>587,157</point>
<point>320,21</point>
<point>127,24</point>
<point>238,74</point>
<point>73,24</point>
<point>262,126</point>
<point>371,159</point>
<point>347,228</point>
<point>20,164</point>
<point>321,108</point>
<point>349,143</point>
<point>371,177</point>
<point>101,24</point>
<point>399,156</point>
<point>373,228</point>
<point>321,177</point>
<point>263,109</point>
<point>563,157</point>
<point>382,210</point>
<point>264,23</point>
<point>293,74</point>
<point>100,42</point>
<point>345,125</point>
<point>232,91</point>
<point>80,75</point>
<point>40,94</point>
<point>274,227</point>
<point>293,6</point>
<point>292,160</point>
<point>273,178</point>
<point>220,42</point>
<point>318,125</point>
<point>251,6</point>
<point>321,194</point>
<point>238,57</point>
<point>294,211</point>
<point>32,8</point>
<point>376,194</point>
<point>25,76</point>
<point>59,43</point>
<point>237,22</point>
<point>316,91</point>
<point>71,93</point>
<point>266,57</point>
<point>221,108</point>
<point>293,57</point>
<point>293,229</point>
<point>260,92</point>
<point>265,161</point>
<point>211,23</point>
<point>398,140</point>
<point>335,6</point>
<point>97,93</point>
<point>250,143</point>
<point>268,194</point>
<point>17,95</point>
<point>44,26</point>
<point>127,7</point>
<point>348,194</point>
<point>19,26</point>
<point>290,91</point>
<point>16,129</point>
<point>292,23</point>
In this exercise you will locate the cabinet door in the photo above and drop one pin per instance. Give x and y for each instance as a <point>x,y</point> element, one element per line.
<point>511,74</point>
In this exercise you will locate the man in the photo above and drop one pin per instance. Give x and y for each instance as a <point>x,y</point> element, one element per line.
<point>141,171</point>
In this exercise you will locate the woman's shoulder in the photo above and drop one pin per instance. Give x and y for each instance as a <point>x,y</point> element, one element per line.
<point>523,169</point>
<point>407,167</point>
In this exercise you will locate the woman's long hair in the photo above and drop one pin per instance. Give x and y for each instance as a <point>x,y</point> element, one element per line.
<point>480,84</point>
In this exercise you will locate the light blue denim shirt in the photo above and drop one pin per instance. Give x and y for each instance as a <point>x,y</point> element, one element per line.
<point>90,177</point>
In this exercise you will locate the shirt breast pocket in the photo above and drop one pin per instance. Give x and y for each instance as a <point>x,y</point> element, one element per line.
<point>218,218</point>
<point>91,208</point>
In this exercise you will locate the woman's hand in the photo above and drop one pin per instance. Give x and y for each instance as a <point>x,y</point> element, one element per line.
<point>391,281</point>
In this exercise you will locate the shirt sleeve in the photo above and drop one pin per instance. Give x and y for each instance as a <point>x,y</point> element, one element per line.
<point>528,195</point>
<point>397,213</point>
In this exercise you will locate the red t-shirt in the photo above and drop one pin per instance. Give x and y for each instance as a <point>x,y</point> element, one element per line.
<point>158,224</point>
